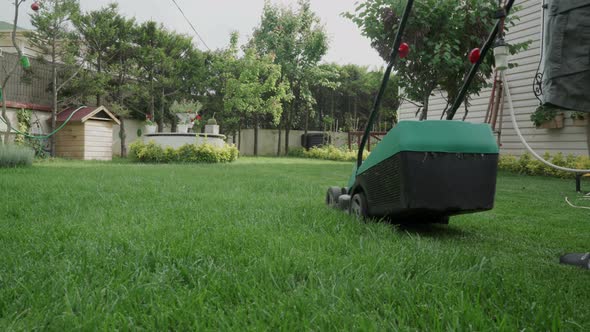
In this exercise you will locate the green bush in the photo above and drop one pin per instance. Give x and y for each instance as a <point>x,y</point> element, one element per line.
<point>170,155</point>
<point>507,163</point>
<point>15,155</point>
<point>147,153</point>
<point>297,152</point>
<point>208,154</point>
<point>526,164</point>
<point>329,152</point>
<point>578,115</point>
<point>23,118</point>
<point>543,114</point>
<point>188,153</point>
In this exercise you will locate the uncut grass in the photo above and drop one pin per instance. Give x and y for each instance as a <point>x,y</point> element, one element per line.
<point>250,245</point>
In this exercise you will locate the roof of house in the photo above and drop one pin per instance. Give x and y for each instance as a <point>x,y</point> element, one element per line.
<point>86,113</point>
<point>5,26</point>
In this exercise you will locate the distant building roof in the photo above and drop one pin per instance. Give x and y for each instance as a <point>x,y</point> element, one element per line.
<point>5,26</point>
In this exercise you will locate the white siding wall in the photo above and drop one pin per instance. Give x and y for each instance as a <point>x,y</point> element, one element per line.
<point>567,140</point>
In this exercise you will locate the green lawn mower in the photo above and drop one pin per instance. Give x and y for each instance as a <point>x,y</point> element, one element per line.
<point>427,171</point>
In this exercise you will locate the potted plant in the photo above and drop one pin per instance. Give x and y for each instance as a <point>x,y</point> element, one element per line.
<point>183,109</point>
<point>547,117</point>
<point>580,119</point>
<point>150,125</point>
<point>211,127</point>
<point>183,125</point>
<point>196,123</point>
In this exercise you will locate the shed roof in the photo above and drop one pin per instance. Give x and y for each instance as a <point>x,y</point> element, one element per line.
<point>86,113</point>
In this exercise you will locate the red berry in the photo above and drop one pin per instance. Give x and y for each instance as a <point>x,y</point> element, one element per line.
<point>474,55</point>
<point>35,6</point>
<point>404,50</point>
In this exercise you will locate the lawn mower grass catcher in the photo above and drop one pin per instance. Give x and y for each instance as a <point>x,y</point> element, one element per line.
<point>424,172</point>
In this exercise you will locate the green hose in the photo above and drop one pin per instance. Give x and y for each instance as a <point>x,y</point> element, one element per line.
<point>50,134</point>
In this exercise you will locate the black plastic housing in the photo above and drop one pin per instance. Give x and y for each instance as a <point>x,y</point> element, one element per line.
<point>428,185</point>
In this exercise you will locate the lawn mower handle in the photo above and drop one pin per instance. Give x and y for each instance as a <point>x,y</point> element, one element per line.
<point>392,60</point>
<point>486,47</point>
<point>461,96</point>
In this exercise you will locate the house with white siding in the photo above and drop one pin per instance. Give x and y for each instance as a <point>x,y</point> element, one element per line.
<point>569,139</point>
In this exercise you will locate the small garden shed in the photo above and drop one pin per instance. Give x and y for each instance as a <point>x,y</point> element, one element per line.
<point>88,135</point>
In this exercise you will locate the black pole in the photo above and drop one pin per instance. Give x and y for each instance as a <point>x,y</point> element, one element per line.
<point>392,60</point>
<point>486,47</point>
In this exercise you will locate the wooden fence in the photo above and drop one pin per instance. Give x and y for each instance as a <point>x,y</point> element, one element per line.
<point>355,137</point>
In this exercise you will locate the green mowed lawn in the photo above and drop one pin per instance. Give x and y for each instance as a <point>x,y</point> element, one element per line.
<point>251,246</point>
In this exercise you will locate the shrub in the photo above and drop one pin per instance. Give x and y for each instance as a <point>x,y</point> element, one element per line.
<point>149,153</point>
<point>207,154</point>
<point>23,118</point>
<point>329,152</point>
<point>578,115</point>
<point>170,155</point>
<point>188,153</point>
<point>543,114</point>
<point>297,152</point>
<point>526,164</point>
<point>15,155</point>
<point>508,163</point>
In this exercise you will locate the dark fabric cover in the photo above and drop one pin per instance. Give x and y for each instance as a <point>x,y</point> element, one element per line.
<point>566,81</point>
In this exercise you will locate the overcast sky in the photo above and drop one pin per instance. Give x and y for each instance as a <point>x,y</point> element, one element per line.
<point>215,19</point>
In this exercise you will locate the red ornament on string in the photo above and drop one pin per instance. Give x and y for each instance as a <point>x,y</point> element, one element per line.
<point>404,50</point>
<point>35,6</point>
<point>474,55</point>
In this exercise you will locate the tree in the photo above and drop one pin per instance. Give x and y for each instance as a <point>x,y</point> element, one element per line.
<point>177,75</point>
<point>149,36</point>
<point>354,86</point>
<point>298,42</point>
<point>121,64</point>
<point>346,98</point>
<point>440,34</point>
<point>257,91</point>
<point>168,65</point>
<point>325,78</point>
<point>223,65</point>
<point>107,38</point>
<point>324,95</point>
<point>99,33</point>
<point>52,36</point>
<point>388,115</point>
<point>9,72</point>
